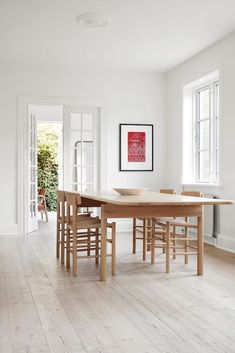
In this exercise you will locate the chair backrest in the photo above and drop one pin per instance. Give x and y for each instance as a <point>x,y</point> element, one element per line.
<point>168,191</point>
<point>41,200</point>
<point>73,200</point>
<point>192,193</point>
<point>60,204</point>
<point>42,192</point>
<point>60,196</point>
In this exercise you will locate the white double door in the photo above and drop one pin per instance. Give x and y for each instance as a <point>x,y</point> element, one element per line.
<point>81,157</point>
<point>31,221</point>
<point>81,149</point>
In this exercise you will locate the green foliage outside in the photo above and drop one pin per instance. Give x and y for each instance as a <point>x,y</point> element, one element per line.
<point>48,145</point>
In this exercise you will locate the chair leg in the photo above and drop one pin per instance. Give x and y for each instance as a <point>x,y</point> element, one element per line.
<point>68,249</point>
<point>186,245</point>
<point>113,249</point>
<point>144,238</point>
<point>89,239</point>
<point>75,259</point>
<point>164,243</point>
<point>134,236</point>
<point>57,240</point>
<point>97,246</point>
<point>149,234</point>
<point>174,242</point>
<point>62,243</point>
<point>167,247</point>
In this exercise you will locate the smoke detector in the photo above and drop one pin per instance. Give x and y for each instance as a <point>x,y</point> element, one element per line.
<point>91,20</point>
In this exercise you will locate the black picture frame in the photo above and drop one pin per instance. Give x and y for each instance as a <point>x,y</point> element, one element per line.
<point>136,166</point>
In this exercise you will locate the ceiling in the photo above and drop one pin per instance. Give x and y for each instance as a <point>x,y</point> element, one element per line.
<point>141,34</point>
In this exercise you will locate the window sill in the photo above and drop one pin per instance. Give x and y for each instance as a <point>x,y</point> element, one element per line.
<point>203,185</point>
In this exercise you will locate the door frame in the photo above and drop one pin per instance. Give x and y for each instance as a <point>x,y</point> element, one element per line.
<point>22,104</point>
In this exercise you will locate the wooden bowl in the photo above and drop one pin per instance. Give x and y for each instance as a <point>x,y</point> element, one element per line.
<point>130,191</point>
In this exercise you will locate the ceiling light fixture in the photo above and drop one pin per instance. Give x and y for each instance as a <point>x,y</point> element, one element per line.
<point>91,20</point>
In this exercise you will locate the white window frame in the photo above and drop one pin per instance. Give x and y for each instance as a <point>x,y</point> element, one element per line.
<point>213,119</point>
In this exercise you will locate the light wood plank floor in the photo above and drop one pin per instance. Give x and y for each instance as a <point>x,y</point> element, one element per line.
<point>141,310</point>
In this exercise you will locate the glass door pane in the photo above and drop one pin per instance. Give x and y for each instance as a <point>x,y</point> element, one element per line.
<point>79,149</point>
<point>31,175</point>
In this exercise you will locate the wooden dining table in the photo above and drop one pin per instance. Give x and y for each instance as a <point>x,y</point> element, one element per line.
<point>148,205</point>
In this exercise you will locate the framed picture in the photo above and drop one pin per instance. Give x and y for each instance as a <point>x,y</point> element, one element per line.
<point>136,147</point>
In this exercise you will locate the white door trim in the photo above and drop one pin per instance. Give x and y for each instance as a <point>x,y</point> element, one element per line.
<point>23,103</point>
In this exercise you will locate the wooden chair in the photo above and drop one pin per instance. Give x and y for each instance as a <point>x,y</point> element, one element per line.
<point>160,233</point>
<point>175,241</point>
<point>146,229</point>
<point>168,191</point>
<point>61,231</point>
<point>42,206</point>
<point>83,235</point>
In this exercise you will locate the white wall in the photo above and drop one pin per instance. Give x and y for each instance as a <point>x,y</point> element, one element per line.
<point>131,98</point>
<point>220,56</point>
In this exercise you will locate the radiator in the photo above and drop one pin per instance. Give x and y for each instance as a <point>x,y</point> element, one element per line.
<point>212,218</point>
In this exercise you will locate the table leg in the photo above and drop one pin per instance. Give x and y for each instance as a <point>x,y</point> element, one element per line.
<point>144,239</point>
<point>200,245</point>
<point>134,236</point>
<point>149,234</point>
<point>167,247</point>
<point>153,243</point>
<point>103,248</point>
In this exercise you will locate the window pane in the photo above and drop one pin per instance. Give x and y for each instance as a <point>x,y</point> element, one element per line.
<point>87,175</point>
<point>76,175</point>
<point>87,135</point>
<point>204,112</point>
<point>87,121</point>
<point>88,154</point>
<point>87,187</point>
<point>76,155</point>
<point>204,166</point>
<point>204,134</point>
<point>75,137</point>
<point>76,187</point>
<point>76,121</point>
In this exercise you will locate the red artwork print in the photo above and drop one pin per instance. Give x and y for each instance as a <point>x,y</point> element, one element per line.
<point>136,146</point>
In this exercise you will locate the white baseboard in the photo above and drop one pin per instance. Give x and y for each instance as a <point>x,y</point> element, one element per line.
<point>208,239</point>
<point>222,242</point>
<point>226,243</point>
<point>9,230</point>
